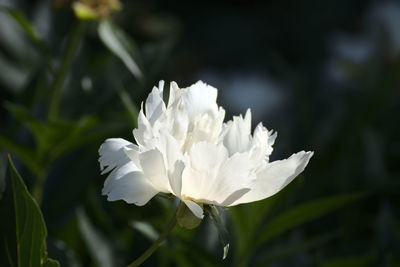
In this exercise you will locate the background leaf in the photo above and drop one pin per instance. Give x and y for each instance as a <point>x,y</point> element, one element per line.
<point>121,45</point>
<point>24,23</point>
<point>25,239</point>
<point>99,247</point>
<point>304,213</point>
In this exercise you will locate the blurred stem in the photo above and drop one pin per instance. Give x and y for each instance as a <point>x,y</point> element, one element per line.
<point>64,67</point>
<point>156,243</point>
<point>37,189</point>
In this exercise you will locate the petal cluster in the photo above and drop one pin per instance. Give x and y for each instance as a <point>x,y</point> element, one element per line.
<point>184,147</point>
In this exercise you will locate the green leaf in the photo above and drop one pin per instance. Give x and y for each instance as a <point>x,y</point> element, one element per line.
<point>24,231</point>
<point>53,138</point>
<point>289,250</point>
<point>129,106</point>
<point>304,213</point>
<point>352,261</point>
<point>252,217</point>
<point>35,126</point>
<point>27,28</point>
<point>50,263</point>
<point>24,23</point>
<point>99,248</point>
<point>146,229</point>
<point>121,45</point>
<point>26,154</point>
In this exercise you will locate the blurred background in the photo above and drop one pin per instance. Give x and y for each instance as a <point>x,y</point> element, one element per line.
<point>324,74</point>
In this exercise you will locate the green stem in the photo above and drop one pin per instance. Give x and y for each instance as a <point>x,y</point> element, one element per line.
<point>37,189</point>
<point>64,67</point>
<point>156,243</point>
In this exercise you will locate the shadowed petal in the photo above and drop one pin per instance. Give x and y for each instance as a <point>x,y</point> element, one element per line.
<point>237,133</point>
<point>234,196</point>
<point>132,187</point>
<point>175,178</point>
<point>153,167</point>
<point>112,153</point>
<point>144,131</point>
<point>195,208</point>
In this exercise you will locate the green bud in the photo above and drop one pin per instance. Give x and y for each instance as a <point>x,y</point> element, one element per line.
<point>186,218</point>
<point>95,9</point>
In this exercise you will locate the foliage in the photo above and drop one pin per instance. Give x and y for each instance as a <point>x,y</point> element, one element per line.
<point>24,233</point>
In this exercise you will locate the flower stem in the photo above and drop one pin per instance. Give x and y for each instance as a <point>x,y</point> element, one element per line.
<point>64,67</point>
<point>156,243</point>
<point>37,189</point>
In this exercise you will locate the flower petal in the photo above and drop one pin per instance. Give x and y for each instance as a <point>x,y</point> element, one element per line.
<point>213,177</point>
<point>132,187</point>
<point>153,167</point>
<point>143,133</point>
<point>174,94</point>
<point>155,105</point>
<point>275,176</point>
<point>234,196</point>
<point>237,133</point>
<point>175,178</point>
<point>170,149</point>
<point>112,153</point>
<point>195,208</point>
<point>205,128</point>
<point>261,144</point>
<point>133,155</point>
<point>200,98</point>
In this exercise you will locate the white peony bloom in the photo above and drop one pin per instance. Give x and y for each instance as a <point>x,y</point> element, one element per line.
<point>185,148</point>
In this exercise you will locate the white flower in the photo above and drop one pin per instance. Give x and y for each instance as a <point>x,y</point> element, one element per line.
<point>184,148</point>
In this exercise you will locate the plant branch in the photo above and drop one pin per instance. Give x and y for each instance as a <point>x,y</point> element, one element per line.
<point>156,243</point>
<point>64,67</point>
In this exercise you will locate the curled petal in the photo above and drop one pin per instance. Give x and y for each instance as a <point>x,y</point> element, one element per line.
<point>275,176</point>
<point>174,94</point>
<point>175,178</point>
<point>237,135</point>
<point>143,133</point>
<point>262,142</point>
<point>112,153</point>
<point>155,105</point>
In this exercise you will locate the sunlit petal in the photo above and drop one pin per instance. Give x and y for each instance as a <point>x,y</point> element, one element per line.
<point>200,98</point>
<point>275,176</point>
<point>237,135</point>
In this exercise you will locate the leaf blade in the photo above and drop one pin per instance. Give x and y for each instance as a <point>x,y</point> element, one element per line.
<point>29,227</point>
<point>119,44</point>
<point>23,23</point>
<point>306,212</point>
